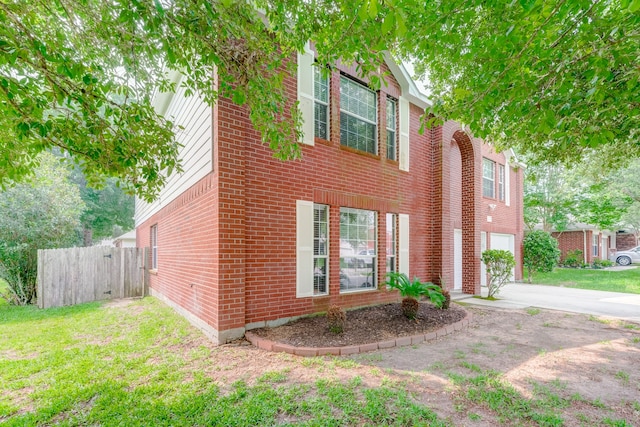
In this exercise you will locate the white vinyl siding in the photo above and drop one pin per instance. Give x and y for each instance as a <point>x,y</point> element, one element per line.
<point>404,134</point>
<point>403,244</point>
<point>305,94</point>
<point>304,248</point>
<point>194,117</point>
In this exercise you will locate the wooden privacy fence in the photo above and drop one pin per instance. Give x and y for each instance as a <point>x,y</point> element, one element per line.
<point>77,275</point>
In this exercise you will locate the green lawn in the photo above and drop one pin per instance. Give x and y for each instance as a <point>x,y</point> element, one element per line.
<point>143,365</point>
<point>601,280</point>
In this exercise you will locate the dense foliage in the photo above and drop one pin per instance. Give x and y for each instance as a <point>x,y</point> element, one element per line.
<point>499,264</point>
<point>541,253</point>
<point>555,78</point>
<point>411,291</point>
<point>42,213</point>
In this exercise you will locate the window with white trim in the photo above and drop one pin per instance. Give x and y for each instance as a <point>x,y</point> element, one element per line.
<point>488,178</point>
<point>358,116</point>
<point>392,236</point>
<point>320,249</point>
<point>321,103</point>
<point>595,244</point>
<point>154,246</point>
<point>358,249</point>
<point>501,186</point>
<point>392,108</point>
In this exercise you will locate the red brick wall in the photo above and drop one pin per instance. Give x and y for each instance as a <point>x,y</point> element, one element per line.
<point>625,241</point>
<point>575,240</point>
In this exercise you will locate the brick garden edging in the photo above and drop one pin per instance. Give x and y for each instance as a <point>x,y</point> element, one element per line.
<point>266,344</point>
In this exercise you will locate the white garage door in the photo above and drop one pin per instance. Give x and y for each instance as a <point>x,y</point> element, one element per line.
<point>504,242</point>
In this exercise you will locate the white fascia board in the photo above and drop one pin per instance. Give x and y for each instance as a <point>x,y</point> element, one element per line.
<point>409,88</point>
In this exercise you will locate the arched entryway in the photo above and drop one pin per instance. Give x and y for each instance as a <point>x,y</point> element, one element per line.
<point>460,161</point>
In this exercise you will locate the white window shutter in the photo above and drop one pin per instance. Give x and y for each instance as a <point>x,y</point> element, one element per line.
<point>305,94</point>
<point>404,134</point>
<point>403,244</point>
<point>304,246</point>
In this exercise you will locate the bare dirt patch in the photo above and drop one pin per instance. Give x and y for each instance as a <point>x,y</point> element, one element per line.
<point>363,326</point>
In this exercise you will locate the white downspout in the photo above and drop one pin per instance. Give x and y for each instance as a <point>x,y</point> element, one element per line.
<point>584,239</point>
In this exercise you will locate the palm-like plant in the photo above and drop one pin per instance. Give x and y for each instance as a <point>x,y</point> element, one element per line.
<point>412,290</point>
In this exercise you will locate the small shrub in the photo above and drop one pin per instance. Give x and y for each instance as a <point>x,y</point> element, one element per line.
<point>573,259</point>
<point>337,319</point>
<point>411,291</point>
<point>541,252</point>
<point>499,264</point>
<point>601,263</point>
<point>447,295</point>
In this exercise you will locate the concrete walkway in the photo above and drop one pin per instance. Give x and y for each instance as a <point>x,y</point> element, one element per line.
<point>598,303</point>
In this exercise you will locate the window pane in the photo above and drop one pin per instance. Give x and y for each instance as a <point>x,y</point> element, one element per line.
<point>320,249</point>
<point>488,178</point>
<point>358,116</point>
<point>358,249</point>
<point>391,242</point>
<point>320,86</point>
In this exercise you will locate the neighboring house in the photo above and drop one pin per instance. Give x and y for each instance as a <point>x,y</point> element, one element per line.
<point>592,242</point>
<point>625,240</point>
<point>127,240</point>
<point>241,240</point>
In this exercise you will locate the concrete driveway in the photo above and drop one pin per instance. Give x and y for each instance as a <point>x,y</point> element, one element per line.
<point>598,303</point>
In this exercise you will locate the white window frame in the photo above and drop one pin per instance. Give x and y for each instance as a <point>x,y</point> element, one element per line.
<point>392,242</point>
<point>488,178</point>
<point>392,143</point>
<point>359,117</point>
<point>320,250</point>
<point>356,259</point>
<point>501,181</point>
<point>595,244</point>
<point>153,237</point>
<point>317,75</point>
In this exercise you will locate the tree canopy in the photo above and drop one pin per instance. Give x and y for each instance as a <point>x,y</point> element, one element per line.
<point>554,78</point>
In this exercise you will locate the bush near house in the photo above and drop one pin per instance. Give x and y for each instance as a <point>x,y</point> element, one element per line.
<point>541,253</point>
<point>499,264</point>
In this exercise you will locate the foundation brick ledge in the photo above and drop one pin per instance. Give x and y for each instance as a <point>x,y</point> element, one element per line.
<point>269,345</point>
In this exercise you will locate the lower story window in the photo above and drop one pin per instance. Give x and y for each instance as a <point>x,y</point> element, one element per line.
<point>358,249</point>
<point>392,220</point>
<point>154,247</point>
<point>320,248</point>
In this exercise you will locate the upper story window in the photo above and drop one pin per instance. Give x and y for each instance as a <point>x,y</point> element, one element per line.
<point>358,116</point>
<point>488,178</point>
<point>321,104</point>
<point>501,182</point>
<point>392,108</point>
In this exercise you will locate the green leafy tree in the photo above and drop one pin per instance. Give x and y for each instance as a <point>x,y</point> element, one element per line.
<point>554,78</point>
<point>42,213</point>
<point>109,210</point>
<point>499,264</point>
<point>541,253</point>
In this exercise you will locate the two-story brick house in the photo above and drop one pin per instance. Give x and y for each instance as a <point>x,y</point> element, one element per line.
<point>240,240</point>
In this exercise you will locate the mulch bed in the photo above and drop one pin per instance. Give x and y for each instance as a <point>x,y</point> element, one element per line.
<point>364,325</point>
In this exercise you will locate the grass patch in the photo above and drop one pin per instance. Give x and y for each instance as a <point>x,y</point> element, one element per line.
<point>141,365</point>
<point>600,280</point>
<point>533,311</point>
<point>490,391</point>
